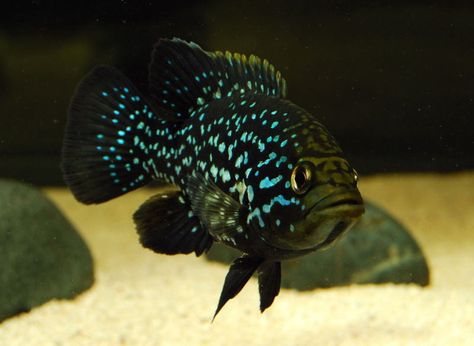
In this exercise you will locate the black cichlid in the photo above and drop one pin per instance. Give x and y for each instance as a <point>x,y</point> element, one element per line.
<point>251,169</point>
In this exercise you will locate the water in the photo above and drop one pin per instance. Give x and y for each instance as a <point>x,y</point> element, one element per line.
<point>392,82</point>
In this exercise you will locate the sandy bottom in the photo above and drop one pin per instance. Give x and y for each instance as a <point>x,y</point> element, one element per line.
<point>141,298</point>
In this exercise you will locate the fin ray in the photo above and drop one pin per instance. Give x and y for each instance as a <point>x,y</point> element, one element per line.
<point>218,211</point>
<point>241,270</point>
<point>109,137</point>
<point>269,280</point>
<point>182,76</point>
<point>166,225</point>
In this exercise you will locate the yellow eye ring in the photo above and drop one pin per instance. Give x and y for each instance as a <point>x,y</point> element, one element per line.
<point>301,177</point>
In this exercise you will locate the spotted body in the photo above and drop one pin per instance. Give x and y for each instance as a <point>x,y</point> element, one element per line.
<point>250,168</point>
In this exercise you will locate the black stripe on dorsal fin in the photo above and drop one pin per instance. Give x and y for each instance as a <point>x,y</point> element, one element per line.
<point>183,76</point>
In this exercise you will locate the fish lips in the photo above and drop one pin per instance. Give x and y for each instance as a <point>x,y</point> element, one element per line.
<point>339,203</point>
<point>332,212</point>
<point>331,216</point>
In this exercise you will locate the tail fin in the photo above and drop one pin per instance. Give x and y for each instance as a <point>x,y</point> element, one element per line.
<point>110,136</point>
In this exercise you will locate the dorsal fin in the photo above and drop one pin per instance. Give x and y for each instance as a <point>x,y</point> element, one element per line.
<point>183,76</point>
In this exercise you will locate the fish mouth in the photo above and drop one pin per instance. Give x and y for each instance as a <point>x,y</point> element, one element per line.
<point>335,234</point>
<point>339,203</point>
<point>332,211</point>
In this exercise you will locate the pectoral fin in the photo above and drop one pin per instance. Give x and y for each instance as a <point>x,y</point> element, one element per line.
<point>217,210</point>
<point>239,273</point>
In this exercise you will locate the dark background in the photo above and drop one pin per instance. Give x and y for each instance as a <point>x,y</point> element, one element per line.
<point>392,80</point>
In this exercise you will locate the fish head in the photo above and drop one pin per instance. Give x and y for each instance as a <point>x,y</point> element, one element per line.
<point>318,202</point>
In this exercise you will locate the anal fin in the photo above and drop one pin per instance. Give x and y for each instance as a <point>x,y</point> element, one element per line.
<point>239,274</point>
<point>166,225</point>
<point>269,279</point>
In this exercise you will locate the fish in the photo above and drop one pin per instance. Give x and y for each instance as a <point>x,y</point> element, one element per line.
<point>246,167</point>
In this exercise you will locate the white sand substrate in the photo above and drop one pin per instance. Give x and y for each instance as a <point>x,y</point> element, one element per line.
<point>141,298</point>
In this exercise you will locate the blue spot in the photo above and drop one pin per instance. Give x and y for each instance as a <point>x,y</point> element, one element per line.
<point>282,159</point>
<point>121,133</point>
<point>246,157</point>
<point>239,161</point>
<point>120,141</point>
<point>222,147</point>
<point>121,106</point>
<point>116,112</point>
<point>274,124</point>
<point>250,193</point>
<point>225,175</point>
<point>118,158</point>
<point>214,171</point>
<point>253,214</point>
<point>100,136</point>
<point>105,158</point>
<point>278,222</point>
<point>267,183</point>
<point>105,94</point>
<point>282,200</point>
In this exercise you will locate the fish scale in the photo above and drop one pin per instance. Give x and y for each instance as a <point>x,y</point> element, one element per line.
<point>246,166</point>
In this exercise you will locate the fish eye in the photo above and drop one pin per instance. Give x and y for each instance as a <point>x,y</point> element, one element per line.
<point>301,178</point>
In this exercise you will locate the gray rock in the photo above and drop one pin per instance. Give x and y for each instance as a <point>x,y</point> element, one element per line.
<point>377,249</point>
<point>42,257</point>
